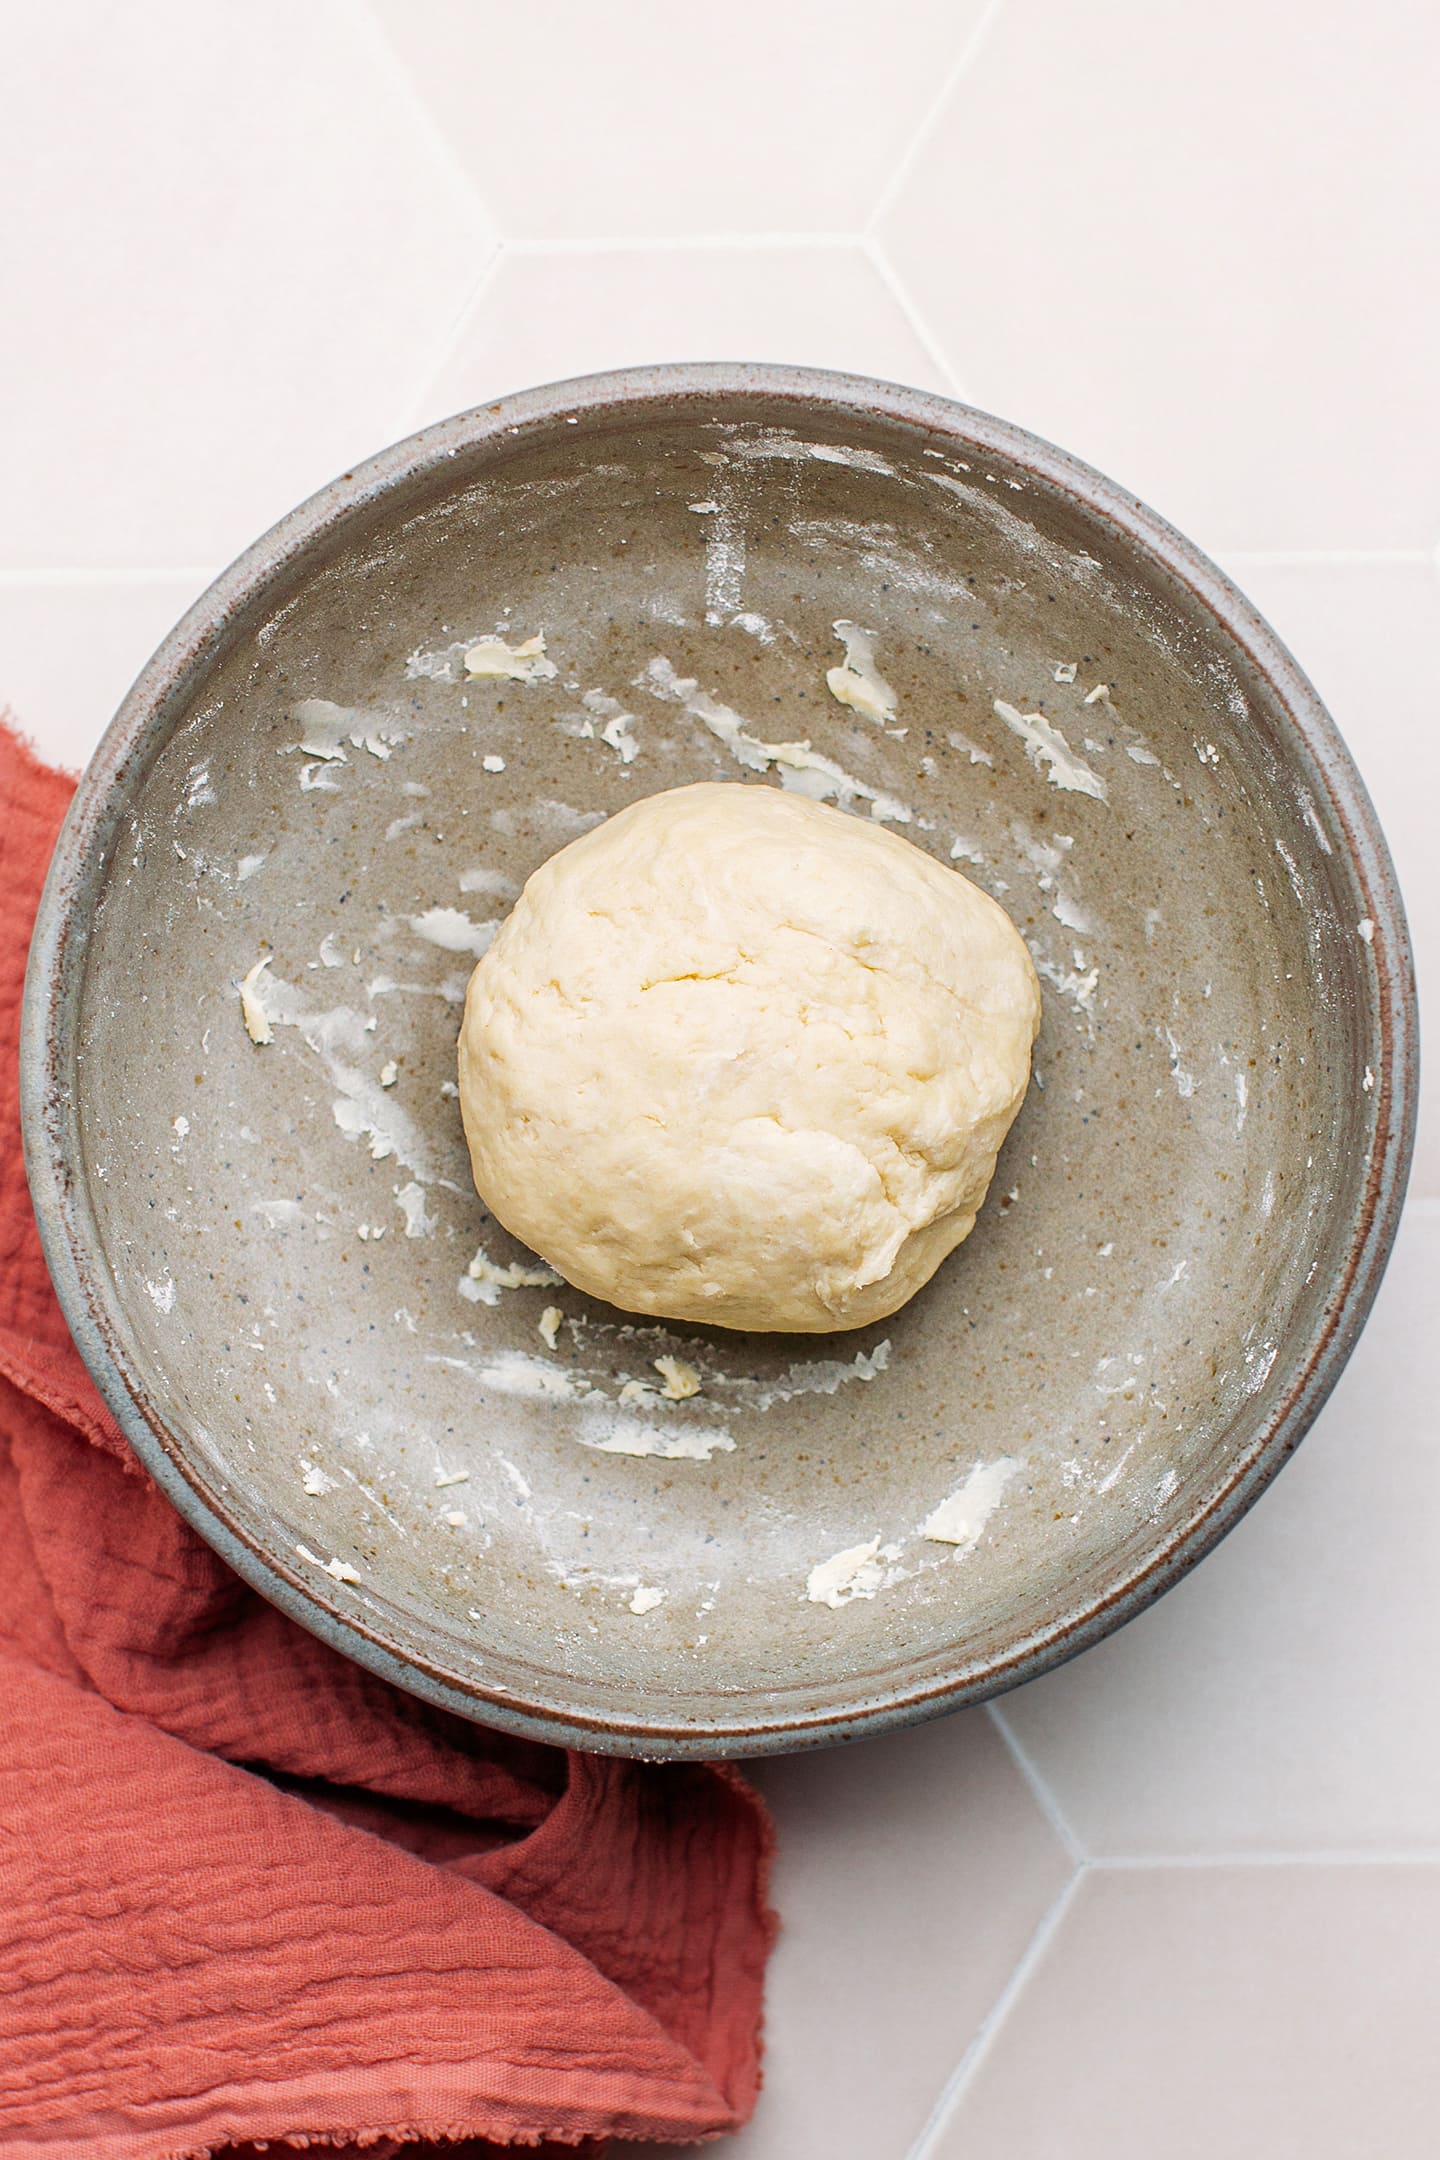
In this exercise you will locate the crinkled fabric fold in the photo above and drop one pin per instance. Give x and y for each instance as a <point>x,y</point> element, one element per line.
<point>251,1895</point>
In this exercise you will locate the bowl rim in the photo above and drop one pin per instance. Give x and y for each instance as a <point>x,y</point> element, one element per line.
<point>55,975</point>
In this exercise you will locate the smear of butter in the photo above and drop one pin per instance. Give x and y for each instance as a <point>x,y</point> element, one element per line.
<point>976,755</point>
<point>410,1199</point>
<point>453,931</point>
<point>340,1038</point>
<point>645,1600</point>
<point>859,683</point>
<point>681,1380</point>
<point>341,1570</point>
<point>961,1519</point>
<point>324,727</point>
<point>378,743</point>
<point>493,660</point>
<point>548,1325</point>
<point>356,1118</point>
<point>515,1372</point>
<point>853,1573</point>
<point>1078,984</point>
<point>276,1212</point>
<point>1048,860</point>
<point>252,1008</point>
<point>724,557</point>
<point>601,1423</point>
<point>764,442</point>
<point>813,1376</point>
<point>615,724</point>
<point>1048,750</point>
<point>493,882</point>
<point>314,779</point>
<point>1184,1081</point>
<point>803,770</point>
<point>824,781</point>
<point>614,1434</point>
<point>200,791</point>
<point>484,1279</point>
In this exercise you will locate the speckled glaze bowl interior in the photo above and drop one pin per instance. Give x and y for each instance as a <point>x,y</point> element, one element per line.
<point>265,1250</point>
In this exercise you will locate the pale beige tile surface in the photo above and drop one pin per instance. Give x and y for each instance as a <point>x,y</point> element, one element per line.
<point>1196,247</point>
<point>230,247</point>
<point>541,316</point>
<point>69,651</point>
<point>1221,2014</point>
<point>652,119</point>
<point>1279,1698</point>
<point>912,1873</point>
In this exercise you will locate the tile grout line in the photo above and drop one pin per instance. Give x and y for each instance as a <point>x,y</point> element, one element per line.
<point>992,2024</point>
<point>1337,558</point>
<point>408,418</point>
<point>197,574</point>
<point>958,2083</point>
<point>1365,1857</point>
<point>361,15</point>
<point>880,263</point>
<point>761,241</point>
<point>1040,1792</point>
<point>910,155</point>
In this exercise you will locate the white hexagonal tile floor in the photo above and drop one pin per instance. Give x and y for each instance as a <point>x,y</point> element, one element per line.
<point>1190,249</point>
<point>1271,1704</point>
<point>923,1853</point>
<point>232,246</point>
<point>646,120</point>
<point>1258,2013</point>
<point>1183,1896</point>
<point>546,314</point>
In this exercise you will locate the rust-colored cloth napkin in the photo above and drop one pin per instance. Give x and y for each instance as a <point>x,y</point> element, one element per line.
<point>250,1894</point>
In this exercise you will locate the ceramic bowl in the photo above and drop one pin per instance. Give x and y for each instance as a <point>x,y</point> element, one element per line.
<point>271,1253</point>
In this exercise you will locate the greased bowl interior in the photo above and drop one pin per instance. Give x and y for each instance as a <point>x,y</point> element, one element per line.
<point>264,1250</point>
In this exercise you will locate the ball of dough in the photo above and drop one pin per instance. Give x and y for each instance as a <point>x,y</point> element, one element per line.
<point>737,1057</point>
